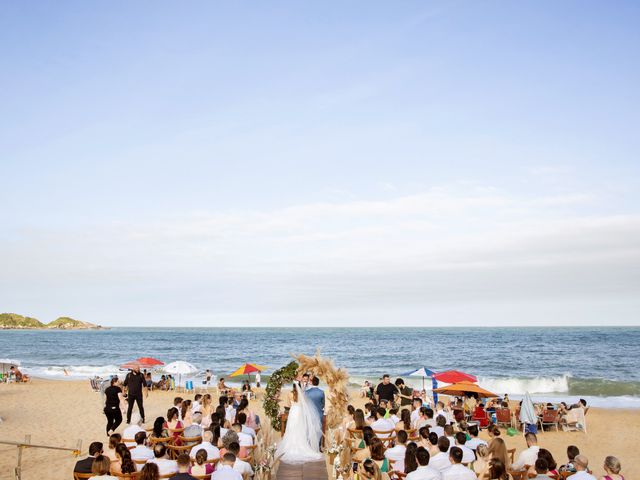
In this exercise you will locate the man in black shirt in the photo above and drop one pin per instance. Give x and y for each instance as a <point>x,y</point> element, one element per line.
<point>386,390</point>
<point>135,384</point>
<point>405,393</point>
<point>85,465</point>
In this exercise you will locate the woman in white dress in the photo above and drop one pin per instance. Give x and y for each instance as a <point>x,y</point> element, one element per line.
<point>301,440</point>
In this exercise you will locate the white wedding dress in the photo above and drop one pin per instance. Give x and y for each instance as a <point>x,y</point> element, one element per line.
<point>301,440</point>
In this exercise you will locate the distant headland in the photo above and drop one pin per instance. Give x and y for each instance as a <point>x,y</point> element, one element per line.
<point>15,321</point>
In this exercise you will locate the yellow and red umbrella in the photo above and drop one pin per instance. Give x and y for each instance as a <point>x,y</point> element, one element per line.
<point>247,369</point>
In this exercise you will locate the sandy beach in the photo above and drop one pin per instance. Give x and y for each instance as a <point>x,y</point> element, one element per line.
<point>62,412</point>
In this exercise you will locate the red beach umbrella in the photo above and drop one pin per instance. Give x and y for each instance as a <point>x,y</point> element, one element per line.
<point>454,376</point>
<point>148,362</point>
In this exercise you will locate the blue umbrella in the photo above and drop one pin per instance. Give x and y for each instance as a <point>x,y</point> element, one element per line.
<point>424,372</point>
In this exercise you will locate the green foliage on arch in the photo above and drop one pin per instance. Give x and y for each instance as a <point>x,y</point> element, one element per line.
<point>278,378</point>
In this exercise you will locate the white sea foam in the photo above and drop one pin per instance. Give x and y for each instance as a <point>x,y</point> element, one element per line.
<point>519,386</point>
<point>74,372</point>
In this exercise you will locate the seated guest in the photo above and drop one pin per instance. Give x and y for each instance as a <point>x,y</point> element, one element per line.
<point>363,447</point>
<point>201,467</point>
<point>149,472</point>
<point>377,454</point>
<point>149,381</point>
<point>134,427</point>
<point>383,424</point>
<point>244,439</point>
<point>393,416</point>
<point>480,415</point>
<point>467,454</point>
<point>551,463</point>
<point>123,463</point>
<point>448,432</point>
<point>114,440</point>
<point>100,469</point>
<point>474,441</point>
<point>253,421</point>
<point>240,466</point>
<point>441,422</point>
<point>229,438</point>
<point>194,430</point>
<point>206,445</point>
<point>405,421</point>
<point>582,469</point>
<point>85,465</point>
<point>195,406</point>
<point>396,453</point>
<point>433,444</point>
<point>225,471</point>
<point>410,462</point>
<point>497,471</point>
<point>528,456</point>
<point>173,425</point>
<point>612,466</point>
<point>141,451</point>
<point>416,404</point>
<point>457,471</point>
<point>572,452</point>
<point>497,451</point>
<point>223,390</point>
<point>482,459</point>
<point>165,465</point>
<point>423,437</point>
<point>184,463</point>
<point>441,461</point>
<point>542,470</point>
<point>369,470</point>
<point>159,431</point>
<point>186,413</point>
<point>242,420</point>
<point>424,471</point>
<point>422,419</point>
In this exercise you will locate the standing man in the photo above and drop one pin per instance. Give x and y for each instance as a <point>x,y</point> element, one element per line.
<point>405,393</point>
<point>386,390</point>
<point>304,384</point>
<point>135,384</point>
<point>258,380</point>
<point>316,395</point>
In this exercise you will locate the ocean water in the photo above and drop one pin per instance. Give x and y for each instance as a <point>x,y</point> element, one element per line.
<point>600,364</point>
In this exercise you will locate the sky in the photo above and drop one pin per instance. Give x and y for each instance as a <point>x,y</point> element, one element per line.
<point>321,164</point>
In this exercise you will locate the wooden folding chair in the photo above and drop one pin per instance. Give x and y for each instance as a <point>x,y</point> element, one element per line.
<point>176,450</point>
<point>387,437</point>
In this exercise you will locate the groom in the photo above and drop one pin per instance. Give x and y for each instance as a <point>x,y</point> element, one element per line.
<point>316,396</point>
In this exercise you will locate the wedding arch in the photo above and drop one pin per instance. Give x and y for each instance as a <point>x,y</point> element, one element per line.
<point>271,403</point>
<point>336,379</point>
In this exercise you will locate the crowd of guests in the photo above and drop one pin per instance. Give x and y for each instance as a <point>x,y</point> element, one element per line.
<point>195,438</point>
<point>399,434</point>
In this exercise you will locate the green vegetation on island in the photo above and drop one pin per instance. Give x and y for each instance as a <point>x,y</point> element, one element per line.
<point>15,321</point>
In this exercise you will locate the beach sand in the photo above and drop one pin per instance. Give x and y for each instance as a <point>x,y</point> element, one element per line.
<point>59,413</point>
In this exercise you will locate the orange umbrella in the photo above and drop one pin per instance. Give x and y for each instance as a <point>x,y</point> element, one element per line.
<point>461,388</point>
<point>247,369</point>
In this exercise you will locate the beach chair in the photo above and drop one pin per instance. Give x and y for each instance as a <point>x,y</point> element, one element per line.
<point>192,441</point>
<point>126,476</point>
<point>354,433</point>
<point>202,477</point>
<point>176,450</point>
<point>386,437</point>
<point>549,419</point>
<point>154,440</point>
<point>503,417</point>
<point>82,476</point>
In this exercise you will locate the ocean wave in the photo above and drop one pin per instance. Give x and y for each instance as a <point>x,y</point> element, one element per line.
<point>519,386</point>
<point>74,372</point>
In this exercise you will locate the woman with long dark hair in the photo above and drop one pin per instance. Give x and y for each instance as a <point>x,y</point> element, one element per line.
<point>113,397</point>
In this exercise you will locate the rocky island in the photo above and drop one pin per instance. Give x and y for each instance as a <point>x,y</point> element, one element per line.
<point>15,321</point>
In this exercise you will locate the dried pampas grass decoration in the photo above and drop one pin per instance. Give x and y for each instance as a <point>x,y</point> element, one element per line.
<point>336,379</point>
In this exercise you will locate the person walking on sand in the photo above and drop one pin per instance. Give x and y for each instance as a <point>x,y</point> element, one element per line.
<point>135,384</point>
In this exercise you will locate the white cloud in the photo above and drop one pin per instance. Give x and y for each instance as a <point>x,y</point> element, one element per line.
<point>438,249</point>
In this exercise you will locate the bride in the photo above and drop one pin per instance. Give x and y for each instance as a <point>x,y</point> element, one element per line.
<point>301,440</point>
